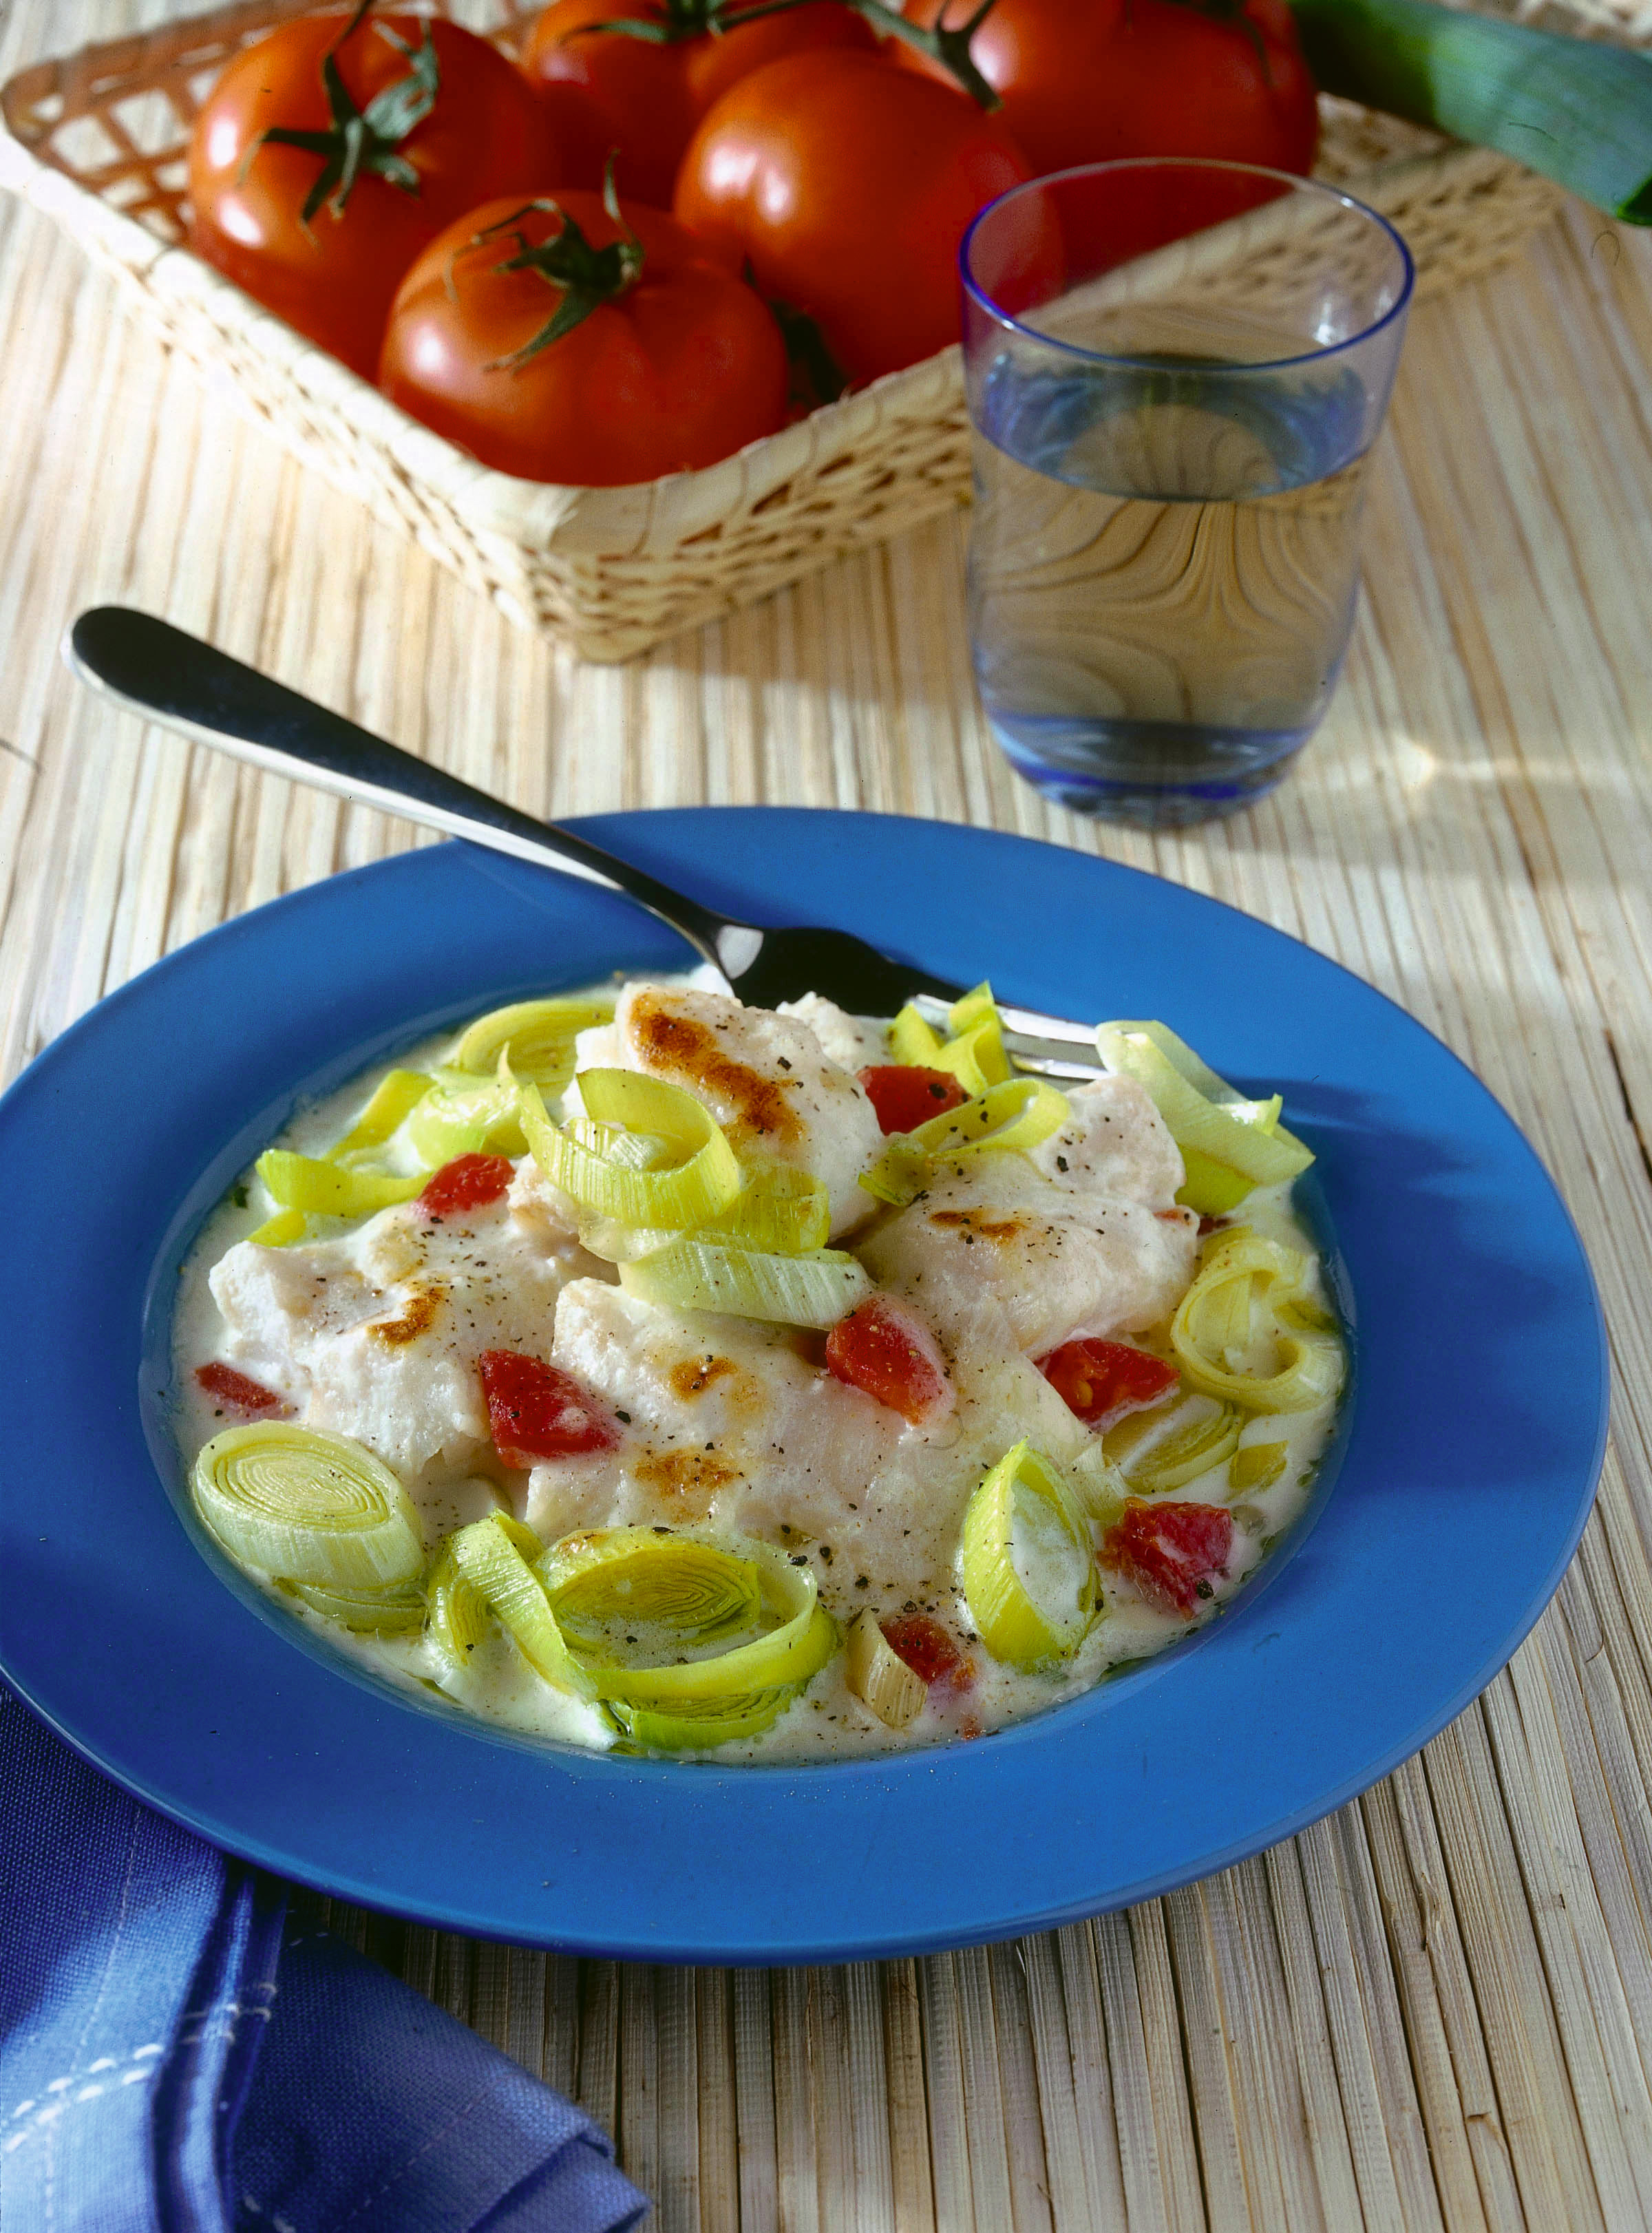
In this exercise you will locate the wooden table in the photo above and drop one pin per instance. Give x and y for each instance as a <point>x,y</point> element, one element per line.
<point>1434,2008</point>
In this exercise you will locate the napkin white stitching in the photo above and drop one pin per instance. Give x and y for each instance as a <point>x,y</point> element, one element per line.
<point>47,2113</point>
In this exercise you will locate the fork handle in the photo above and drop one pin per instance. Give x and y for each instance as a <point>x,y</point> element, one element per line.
<point>163,674</point>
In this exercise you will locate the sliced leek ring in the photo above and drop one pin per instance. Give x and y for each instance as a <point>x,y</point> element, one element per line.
<point>494,1556</point>
<point>698,1728</point>
<point>1228,1144</point>
<point>974,1052</point>
<point>781,1210</point>
<point>1164,1449</point>
<point>365,1612</point>
<point>1258,1465</point>
<point>702,1180</point>
<point>1013,1116</point>
<point>535,1038</point>
<point>877,1674</point>
<point>457,1615</point>
<point>397,1094</point>
<point>281,1230</point>
<point>1240,1334</point>
<point>1029,1564</point>
<point>800,1641</point>
<point>302,1506</point>
<point>464,1116</point>
<point>320,1188</point>
<point>631,1577</point>
<point>699,1272</point>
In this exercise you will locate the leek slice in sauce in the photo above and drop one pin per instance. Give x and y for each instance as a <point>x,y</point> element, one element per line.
<point>464,1115</point>
<point>626,1579</point>
<point>795,1645</point>
<point>1228,1144</point>
<point>365,1612</point>
<point>490,1555</point>
<point>782,1210</point>
<point>1258,1465</point>
<point>879,1677</point>
<point>1013,1116</point>
<point>698,1728</point>
<point>1240,1333</point>
<point>698,1272</point>
<point>1028,1562</point>
<point>702,1181</point>
<point>320,1188</point>
<point>302,1506</point>
<point>395,1097</point>
<point>535,1038</point>
<point>1164,1449</point>
<point>973,1053</point>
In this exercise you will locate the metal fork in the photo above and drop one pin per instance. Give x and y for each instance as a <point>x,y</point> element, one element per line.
<point>163,674</point>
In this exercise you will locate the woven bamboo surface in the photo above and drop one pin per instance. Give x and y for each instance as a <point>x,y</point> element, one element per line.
<point>1432,2010</point>
<point>95,136</point>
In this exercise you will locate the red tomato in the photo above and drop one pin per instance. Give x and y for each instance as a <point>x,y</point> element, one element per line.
<point>237,1393</point>
<point>928,1649</point>
<point>1170,1551</point>
<point>1102,1380</point>
<point>1143,77</point>
<point>536,1412</point>
<point>468,1183</point>
<point>333,277</point>
<point>681,365</point>
<point>906,1095</point>
<point>850,184</point>
<point>887,1350</point>
<point>643,100</point>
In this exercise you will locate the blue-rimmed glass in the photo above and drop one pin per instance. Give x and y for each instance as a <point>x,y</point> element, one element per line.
<point>1176,371</point>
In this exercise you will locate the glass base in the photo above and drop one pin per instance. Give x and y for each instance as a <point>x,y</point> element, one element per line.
<point>1157,775</point>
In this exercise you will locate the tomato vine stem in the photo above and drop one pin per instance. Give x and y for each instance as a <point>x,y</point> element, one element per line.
<point>586,276</point>
<point>363,139</point>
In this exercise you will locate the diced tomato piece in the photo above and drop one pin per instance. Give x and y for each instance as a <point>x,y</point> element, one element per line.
<point>468,1183</point>
<point>1101,1380</point>
<point>928,1649</point>
<point>889,1351</point>
<point>1170,1551</point>
<point>233,1390</point>
<point>535,1411</point>
<point>905,1094</point>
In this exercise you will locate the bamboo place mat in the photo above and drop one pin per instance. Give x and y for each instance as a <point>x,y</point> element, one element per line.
<point>1432,2009</point>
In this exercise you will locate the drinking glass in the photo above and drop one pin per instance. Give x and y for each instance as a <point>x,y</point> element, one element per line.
<point>1176,370</point>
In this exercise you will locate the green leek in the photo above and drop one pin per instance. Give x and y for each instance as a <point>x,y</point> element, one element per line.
<point>397,1094</point>
<point>490,1555</point>
<point>703,1181</point>
<point>1228,1144</point>
<point>302,1506</point>
<point>697,1728</point>
<point>365,1612</point>
<point>879,1677</point>
<point>697,1272</point>
<point>1258,1465</point>
<point>1580,111</point>
<point>536,1037</point>
<point>322,1188</point>
<point>780,1210</point>
<point>627,1577</point>
<point>1160,1450</point>
<point>1013,1116</point>
<point>690,1612</point>
<point>1029,1567</point>
<point>973,1053</point>
<point>463,1116</point>
<point>1237,1336</point>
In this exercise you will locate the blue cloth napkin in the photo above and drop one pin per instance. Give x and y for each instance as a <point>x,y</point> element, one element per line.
<point>176,2056</point>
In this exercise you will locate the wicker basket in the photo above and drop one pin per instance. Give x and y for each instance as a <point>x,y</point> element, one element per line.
<point>97,141</point>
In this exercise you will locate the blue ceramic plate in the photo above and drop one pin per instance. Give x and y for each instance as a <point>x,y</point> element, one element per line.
<point>1474,1433</point>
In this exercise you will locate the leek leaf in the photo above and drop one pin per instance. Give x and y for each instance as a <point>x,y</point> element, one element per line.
<point>1239,1335</point>
<point>493,1556</point>
<point>702,1182</point>
<point>699,1272</point>
<point>1228,1144</point>
<point>1029,1564</point>
<point>879,1677</point>
<point>322,1187</point>
<point>302,1506</point>
<point>536,1037</point>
